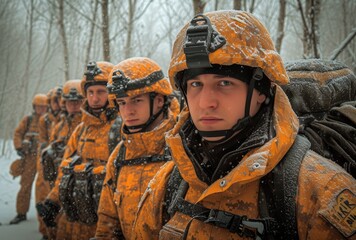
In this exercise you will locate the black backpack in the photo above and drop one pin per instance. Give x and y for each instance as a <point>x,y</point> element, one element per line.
<point>323,95</point>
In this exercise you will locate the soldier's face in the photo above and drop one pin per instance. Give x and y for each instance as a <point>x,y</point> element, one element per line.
<point>136,110</point>
<point>73,107</point>
<point>97,96</point>
<point>217,102</point>
<point>54,105</point>
<point>40,110</point>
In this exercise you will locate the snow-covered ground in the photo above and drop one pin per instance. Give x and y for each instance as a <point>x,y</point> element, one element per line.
<point>8,192</point>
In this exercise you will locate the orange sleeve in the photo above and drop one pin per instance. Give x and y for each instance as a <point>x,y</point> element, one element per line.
<point>20,132</point>
<point>107,212</point>
<point>72,146</point>
<point>148,222</point>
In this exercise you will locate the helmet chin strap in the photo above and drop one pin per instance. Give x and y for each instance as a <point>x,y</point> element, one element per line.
<point>153,117</point>
<point>243,122</point>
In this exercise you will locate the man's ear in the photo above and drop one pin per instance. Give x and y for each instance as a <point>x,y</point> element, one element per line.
<point>160,100</point>
<point>261,98</point>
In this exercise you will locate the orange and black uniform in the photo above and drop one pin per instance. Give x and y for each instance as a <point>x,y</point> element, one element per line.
<point>118,206</point>
<point>90,141</point>
<point>224,194</point>
<point>42,187</point>
<point>27,131</point>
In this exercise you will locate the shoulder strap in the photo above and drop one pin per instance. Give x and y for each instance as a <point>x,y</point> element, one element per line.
<point>28,122</point>
<point>47,121</point>
<point>114,134</point>
<point>277,197</point>
<point>120,161</point>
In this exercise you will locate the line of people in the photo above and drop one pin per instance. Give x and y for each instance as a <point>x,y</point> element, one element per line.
<point>134,163</point>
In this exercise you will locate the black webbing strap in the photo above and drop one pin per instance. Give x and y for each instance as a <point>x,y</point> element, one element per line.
<point>280,188</point>
<point>142,160</point>
<point>120,162</point>
<point>254,228</point>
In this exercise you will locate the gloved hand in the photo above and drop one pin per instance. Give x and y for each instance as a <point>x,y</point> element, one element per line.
<point>20,153</point>
<point>48,210</point>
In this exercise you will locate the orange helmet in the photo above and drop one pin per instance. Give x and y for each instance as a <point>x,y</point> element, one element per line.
<point>54,94</point>
<point>40,100</point>
<point>226,38</point>
<point>72,90</point>
<point>135,76</point>
<point>139,75</point>
<point>232,43</point>
<point>97,73</point>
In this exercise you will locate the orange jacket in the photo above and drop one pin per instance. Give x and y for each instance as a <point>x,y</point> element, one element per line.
<point>27,131</point>
<point>46,124</point>
<point>325,199</point>
<point>117,209</point>
<point>90,141</point>
<point>64,129</point>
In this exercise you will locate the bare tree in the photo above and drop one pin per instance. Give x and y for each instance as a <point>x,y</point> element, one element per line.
<point>344,44</point>
<point>198,6</point>
<point>92,27</point>
<point>24,82</point>
<point>105,30</point>
<point>237,5</point>
<point>281,20</point>
<point>310,19</point>
<point>64,38</point>
<point>135,12</point>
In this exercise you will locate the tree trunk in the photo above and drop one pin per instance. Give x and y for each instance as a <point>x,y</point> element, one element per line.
<point>130,24</point>
<point>237,5</point>
<point>105,30</point>
<point>92,27</point>
<point>25,77</point>
<point>314,19</point>
<point>64,39</point>
<point>198,6</point>
<point>281,20</point>
<point>310,19</point>
<point>343,45</point>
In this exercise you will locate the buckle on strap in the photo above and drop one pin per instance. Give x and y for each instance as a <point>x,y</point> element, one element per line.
<point>242,225</point>
<point>201,39</point>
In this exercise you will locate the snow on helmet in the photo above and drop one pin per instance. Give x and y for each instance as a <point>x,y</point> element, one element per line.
<point>40,100</point>
<point>54,94</point>
<point>136,76</point>
<point>97,73</point>
<point>226,38</point>
<point>72,90</point>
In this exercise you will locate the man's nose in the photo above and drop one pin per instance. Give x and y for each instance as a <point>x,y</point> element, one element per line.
<point>208,98</point>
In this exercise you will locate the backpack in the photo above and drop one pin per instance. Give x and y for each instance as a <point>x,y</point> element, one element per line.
<point>323,95</point>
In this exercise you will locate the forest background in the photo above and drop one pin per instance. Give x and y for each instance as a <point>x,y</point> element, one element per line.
<point>44,43</point>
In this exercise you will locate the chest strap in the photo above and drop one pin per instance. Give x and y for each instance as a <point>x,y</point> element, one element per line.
<point>120,162</point>
<point>244,227</point>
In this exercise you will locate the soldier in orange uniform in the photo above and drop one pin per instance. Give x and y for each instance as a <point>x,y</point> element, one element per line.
<point>45,126</point>
<point>87,151</point>
<point>26,143</point>
<point>240,170</point>
<point>143,95</point>
<point>52,155</point>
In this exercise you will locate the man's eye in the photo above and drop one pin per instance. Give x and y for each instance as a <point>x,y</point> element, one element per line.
<point>195,84</point>
<point>121,103</point>
<point>225,83</point>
